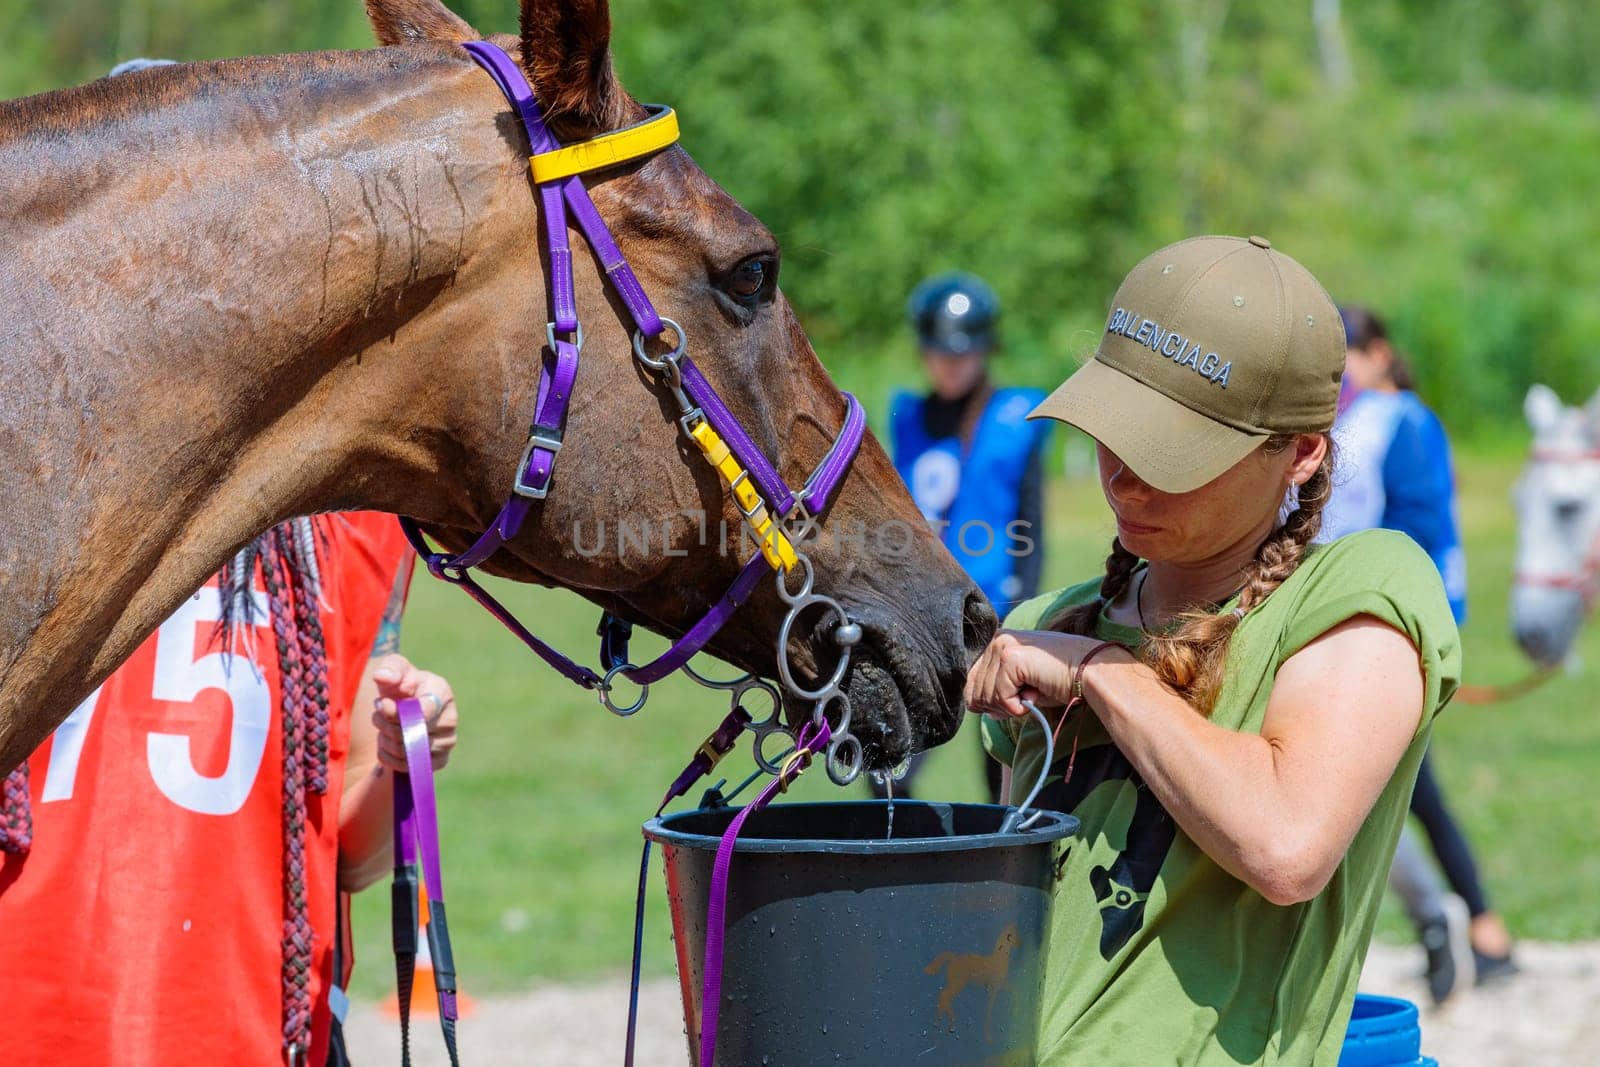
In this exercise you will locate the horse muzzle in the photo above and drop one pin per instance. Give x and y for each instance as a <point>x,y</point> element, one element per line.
<point>908,673</point>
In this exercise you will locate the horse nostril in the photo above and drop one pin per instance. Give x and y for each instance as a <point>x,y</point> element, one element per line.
<point>978,624</point>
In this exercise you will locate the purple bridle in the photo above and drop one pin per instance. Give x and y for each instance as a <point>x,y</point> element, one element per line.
<point>706,420</point>
<point>557,377</point>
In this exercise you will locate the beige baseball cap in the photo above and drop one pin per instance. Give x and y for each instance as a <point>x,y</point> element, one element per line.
<point>1212,345</point>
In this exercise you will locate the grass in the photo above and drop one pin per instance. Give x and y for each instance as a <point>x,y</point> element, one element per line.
<point>541,806</point>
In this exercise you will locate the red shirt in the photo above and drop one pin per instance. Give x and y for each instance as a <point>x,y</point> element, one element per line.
<point>144,926</point>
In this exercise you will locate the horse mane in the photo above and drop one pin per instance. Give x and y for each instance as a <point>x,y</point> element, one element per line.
<point>110,103</point>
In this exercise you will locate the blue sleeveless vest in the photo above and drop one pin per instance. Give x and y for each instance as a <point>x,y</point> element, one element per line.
<point>976,496</point>
<point>1393,470</point>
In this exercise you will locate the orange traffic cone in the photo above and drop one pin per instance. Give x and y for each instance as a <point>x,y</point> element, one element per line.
<point>424,995</point>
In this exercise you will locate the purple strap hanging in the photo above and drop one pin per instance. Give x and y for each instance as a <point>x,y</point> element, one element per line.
<point>416,825</point>
<point>416,813</point>
<point>814,737</point>
<point>706,758</point>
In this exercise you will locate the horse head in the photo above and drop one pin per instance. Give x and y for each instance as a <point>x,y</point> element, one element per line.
<point>317,283</point>
<point>1557,500</point>
<point>634,519</point>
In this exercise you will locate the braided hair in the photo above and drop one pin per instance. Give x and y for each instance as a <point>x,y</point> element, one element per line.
<point>286,557</point>
<point>1191,658</point>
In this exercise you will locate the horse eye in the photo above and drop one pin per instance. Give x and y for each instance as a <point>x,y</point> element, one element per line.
<point>750,279</point>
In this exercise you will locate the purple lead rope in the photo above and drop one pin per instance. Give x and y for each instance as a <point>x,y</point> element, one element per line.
<point>814,737</point>
<point>416,825</point>
<point>705,760</point>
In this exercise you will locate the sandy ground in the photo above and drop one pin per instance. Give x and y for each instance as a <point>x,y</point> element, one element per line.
<point>1548,1015</point>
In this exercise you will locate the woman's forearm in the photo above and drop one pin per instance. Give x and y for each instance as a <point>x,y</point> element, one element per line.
<point>1221,787</point>
<point>366,810</point>
<point>1277,809</point>
<point>366,827</point>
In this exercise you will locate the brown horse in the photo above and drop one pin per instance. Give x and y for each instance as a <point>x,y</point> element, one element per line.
<point>239,291</point>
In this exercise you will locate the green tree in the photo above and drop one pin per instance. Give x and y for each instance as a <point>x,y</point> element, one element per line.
<point>1434,160</point>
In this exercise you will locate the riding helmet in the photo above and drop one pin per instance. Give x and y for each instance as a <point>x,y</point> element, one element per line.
<point>955,313</point>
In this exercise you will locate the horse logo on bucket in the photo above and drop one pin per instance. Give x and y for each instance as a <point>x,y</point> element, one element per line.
<point>989,971</point>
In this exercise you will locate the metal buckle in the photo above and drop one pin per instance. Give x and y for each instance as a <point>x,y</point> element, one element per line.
<point>711,753</point>
<point>733,491</point>
<point>687,421</point>
<point>577,336</point>
<point>538,438</point>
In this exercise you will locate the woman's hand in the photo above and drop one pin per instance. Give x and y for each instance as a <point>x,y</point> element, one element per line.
<point>1020,665</point>
<point>397,679</point>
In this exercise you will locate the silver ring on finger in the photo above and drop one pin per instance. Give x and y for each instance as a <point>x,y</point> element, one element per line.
<point>438,705</point>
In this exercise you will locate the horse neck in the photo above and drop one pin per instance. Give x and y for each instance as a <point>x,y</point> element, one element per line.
<point>203,296</point>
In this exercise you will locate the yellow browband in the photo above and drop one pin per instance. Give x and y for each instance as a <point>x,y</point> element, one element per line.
<point>769,535</point>
<point>609,149</point>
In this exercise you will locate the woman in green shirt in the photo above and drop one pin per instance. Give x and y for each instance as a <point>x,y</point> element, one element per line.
<point>1244,710</point>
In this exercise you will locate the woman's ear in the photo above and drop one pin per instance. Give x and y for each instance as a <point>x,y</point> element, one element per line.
<point>1310,449</point>
<point>1381,353</point>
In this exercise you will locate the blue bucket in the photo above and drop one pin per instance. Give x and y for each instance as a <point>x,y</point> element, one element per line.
<point>1383,1032</point>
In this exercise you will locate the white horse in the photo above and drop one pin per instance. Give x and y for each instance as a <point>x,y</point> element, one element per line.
<point>1558,527</point>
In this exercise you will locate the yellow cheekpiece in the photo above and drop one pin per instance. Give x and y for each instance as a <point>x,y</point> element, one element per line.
<point>769,535</point>
<point>609,149</point>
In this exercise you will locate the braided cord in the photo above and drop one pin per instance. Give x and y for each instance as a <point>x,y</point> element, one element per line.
<point>405,975</point>
<point>449,1028</point>
<point>16,816</point>
<point>313,654</point>
<point>303,680</point>
<point>289,571</point>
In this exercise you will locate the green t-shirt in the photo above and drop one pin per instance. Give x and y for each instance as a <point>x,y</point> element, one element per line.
<point>1158,955</point>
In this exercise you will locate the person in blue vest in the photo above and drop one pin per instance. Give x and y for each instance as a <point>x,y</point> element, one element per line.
<point>1396,473</point>
<point>966,450</point>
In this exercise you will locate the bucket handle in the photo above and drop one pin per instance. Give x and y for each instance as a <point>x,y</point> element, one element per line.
<point>1013,819</point>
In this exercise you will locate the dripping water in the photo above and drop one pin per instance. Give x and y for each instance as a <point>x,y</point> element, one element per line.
<point>888,792</point>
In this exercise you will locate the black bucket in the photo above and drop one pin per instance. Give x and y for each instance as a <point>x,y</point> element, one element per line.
<point>846,946</point>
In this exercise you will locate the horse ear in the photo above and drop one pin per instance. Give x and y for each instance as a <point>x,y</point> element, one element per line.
<point>408,21</point>
<point>1543,408</point>
<point>566,51</point>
